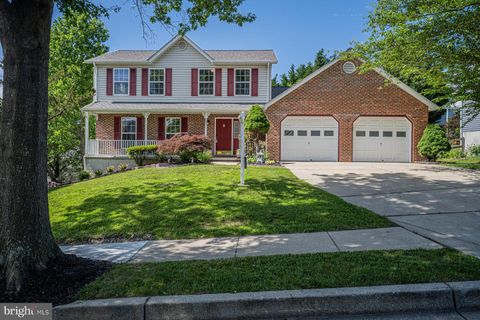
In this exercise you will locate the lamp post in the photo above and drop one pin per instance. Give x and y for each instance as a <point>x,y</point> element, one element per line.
<point>242,148</point>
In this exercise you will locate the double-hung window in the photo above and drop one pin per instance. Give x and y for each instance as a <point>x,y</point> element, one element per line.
<point>172,127</point>
<point>206,80</point>
<point>156,82</point>
<point>242,82</point>
<point>129,128</point>
<point>120,81</point>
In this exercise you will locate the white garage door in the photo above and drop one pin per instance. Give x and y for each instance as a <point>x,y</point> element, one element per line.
<point>382,139</point>
<point>309,139</point>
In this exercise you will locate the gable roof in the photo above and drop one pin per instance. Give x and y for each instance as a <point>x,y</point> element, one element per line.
<point>431,106</point>
<point>214,56</point>
<point>174,40</point>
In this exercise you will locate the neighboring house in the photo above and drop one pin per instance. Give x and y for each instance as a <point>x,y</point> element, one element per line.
<point>469,128</point>
<point>338,114</point>
<point>147,96</point>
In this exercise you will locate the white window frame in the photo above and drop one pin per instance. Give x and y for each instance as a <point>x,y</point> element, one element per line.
<point>198,84</point>
<point>164,82</point>
<point>121,128</point>
<point>128,82</point>
<point>235,83</point>
<point>165,125</point>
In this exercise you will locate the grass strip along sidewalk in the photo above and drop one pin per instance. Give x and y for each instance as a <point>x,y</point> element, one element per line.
<point>198,201</point>
<point>284,272</point>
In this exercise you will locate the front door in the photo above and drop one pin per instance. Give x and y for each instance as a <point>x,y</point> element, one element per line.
<point>223,131</point>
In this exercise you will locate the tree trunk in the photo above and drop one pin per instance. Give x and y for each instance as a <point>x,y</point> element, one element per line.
<point>26,240</point>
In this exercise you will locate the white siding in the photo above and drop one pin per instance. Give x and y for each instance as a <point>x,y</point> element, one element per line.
<point>181,62</point>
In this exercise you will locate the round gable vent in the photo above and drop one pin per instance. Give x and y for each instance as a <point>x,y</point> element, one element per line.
<point>349,67</point>
<point>182,45</point>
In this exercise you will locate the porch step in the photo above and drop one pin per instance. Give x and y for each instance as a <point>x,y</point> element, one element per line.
<point>225,159</point>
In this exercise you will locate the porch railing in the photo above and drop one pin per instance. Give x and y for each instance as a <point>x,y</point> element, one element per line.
<point>114,147</point>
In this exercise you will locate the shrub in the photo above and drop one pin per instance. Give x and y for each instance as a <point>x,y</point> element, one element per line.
<point>474,150</point>
<point>110,169</point>
<point>161,157</point>
<point>204,157</point>
<point>453,154</point>
<point>123,167</point>
<point>83,175</point>
<point>252,159</point>
<point>98,173</point>
<point>270,162</point>
<point>187,147</point>
<point>433,142</point>
<point>256,126</point>
<point>140,153</point>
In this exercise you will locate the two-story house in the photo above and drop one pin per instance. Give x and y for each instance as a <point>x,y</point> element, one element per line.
<point>146,96</point>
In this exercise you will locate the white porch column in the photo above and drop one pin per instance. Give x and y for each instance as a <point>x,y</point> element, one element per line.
<point>145,126</point>
<point>87,130</point>
<point>205,117</point>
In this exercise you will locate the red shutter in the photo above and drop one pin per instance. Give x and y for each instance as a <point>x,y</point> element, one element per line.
<point>109,81</point>
<point>194,82</point>
<point>117,128</point>
<point>161,128</point>
<point>133,81</point>
<point>230,82</point>
<point>145,82</point>
<point>218,82</point>
<point>184,125</point>
<point>140,135</point>
<point>255,82</point>
<point>168,78</point>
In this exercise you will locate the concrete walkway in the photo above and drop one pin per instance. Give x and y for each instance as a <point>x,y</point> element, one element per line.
<point>437,202</point>
<point>262,245</point>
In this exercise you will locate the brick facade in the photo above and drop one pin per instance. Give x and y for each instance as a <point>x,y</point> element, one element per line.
<point>196,124</point>
<point>346,97</point>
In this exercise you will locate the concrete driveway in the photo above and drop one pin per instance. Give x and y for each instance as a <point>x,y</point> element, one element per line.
<point>440,203</point>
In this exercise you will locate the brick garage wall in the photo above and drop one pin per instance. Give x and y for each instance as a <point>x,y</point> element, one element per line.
<point>346,97</point>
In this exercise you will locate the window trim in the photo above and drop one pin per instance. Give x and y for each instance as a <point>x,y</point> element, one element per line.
<point>128,82</point>
<point>198,82</point>
<point>165,125</point>
<point>164,82</point>
<point>235,83</point>
<point>121,128</point>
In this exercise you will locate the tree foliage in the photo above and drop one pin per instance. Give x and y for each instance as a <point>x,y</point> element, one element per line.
<point>433,142</point>
<point>75,37</point>
<point>256,125</point>
<point>432,45</point>
<point>296,74</point>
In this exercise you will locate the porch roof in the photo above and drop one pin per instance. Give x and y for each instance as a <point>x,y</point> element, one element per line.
<point>188,108</point>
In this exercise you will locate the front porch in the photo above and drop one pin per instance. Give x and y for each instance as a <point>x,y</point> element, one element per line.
<point>115,133</point>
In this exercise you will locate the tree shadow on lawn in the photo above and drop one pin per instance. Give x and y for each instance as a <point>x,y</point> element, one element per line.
<point>185,209</point>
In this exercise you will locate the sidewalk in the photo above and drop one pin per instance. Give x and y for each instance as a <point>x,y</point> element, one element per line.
<point>262,245</point>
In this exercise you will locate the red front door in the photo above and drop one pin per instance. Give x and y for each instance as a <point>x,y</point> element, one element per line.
<point>224,135</point>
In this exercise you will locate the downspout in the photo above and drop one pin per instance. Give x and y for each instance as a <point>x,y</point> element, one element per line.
<point>95,97</point>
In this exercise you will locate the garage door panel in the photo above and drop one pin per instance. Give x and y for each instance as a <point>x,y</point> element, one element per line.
<point>385,139</point>
<point>314,139</point>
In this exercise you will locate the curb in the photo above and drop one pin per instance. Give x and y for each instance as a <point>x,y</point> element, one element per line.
<point>455,299</point>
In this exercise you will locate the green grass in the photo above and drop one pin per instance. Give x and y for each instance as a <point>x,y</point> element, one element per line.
<point>472,163</point>
<point>286,272</point>
<point>198,201</point>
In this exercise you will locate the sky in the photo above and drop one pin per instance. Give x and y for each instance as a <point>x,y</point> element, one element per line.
<point>294,29</point>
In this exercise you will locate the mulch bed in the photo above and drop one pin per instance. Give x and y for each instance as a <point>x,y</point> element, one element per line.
<point>59,283</point>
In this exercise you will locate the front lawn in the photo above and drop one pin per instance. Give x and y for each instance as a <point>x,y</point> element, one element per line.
<point>472,163</point>
<point>287,272</point>
<point>198,201</point>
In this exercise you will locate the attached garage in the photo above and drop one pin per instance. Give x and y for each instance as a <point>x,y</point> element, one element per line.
<point>382,139</point>
<point>309,139</point>
<point>340,114</point>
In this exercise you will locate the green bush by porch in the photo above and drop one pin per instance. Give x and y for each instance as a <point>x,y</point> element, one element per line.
<point>285,272</point>
<point>198,201</point>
